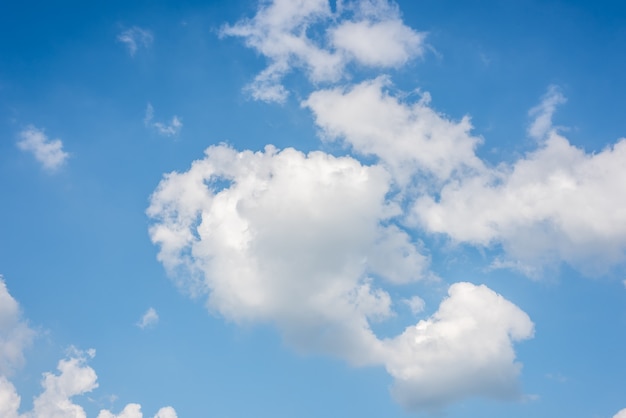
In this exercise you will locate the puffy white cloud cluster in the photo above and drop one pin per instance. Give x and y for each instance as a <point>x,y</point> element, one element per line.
<point>464,349</point>
<point>74,376</point>
<point>557,203</point>
<point>367,32</point>
<point>48,152</point>
<point>307,242</point>
<point>294,239</point>
<point>314,243</point>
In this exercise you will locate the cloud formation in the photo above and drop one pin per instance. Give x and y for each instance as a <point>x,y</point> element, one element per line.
<point>171,129</point>
<point>527,206</point>
<point>464,349</point>
<point>48,152</point>
<point>308,243</point>
<point>369,33</point>
<point>73,378</point>
<point>408,138</point>
<point>15,334</point>
<point>135,38</point>
<point>149,319</point>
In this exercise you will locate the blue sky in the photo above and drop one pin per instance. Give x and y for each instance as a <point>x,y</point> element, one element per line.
<point>311,208</point>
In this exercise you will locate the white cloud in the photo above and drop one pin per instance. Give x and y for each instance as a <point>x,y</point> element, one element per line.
<point>9,399</point>
<point>74,376</point>
<point>407,138</point>
<point>48,152</point>
<point>542,114</point>
<point>378,44</point>
<point>620,414</point>
<point>464,349</point>
<point>149,319</point>
<point>133,410</point>
<point>416,304</point>
<point>375,36</point>
<point>135,38</point>
<point>171,129</point>
<point>300,235</point>
<point>290,239</point>
<point>15,334</point>
<point>557,203</point>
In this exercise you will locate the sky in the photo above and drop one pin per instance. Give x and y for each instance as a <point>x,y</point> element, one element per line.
<point>307,208</point>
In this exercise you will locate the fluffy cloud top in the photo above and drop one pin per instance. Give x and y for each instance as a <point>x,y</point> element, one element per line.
<point>557,203</point>
<point>464,349</point>
<point>281,30</point>
<point>305,242</point>
<point>48,152</point>
<point>302,235</point>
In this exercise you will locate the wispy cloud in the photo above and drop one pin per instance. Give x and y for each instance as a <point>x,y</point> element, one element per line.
<point>48,152</point>
<point>149,319</point>
<point>135,38</point>
<point>368,33</point>
<point>170,129</point>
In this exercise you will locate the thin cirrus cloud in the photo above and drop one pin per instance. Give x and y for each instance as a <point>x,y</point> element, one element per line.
<point>164,129</point>
<point>135,38</point>
<point>149,319</point>
<point>319,268</point>
<point>48,152</point>
<point>74,376</point>
<point>367,33</point>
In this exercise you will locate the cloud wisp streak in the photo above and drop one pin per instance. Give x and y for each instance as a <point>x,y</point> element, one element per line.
<point>135,38</point>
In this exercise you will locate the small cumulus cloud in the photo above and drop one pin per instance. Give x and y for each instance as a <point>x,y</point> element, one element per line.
<point>73,378</point>
<point>49,152</point>
<point>165,129</point>
<point>149,319</point>
<point>135,38</point>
